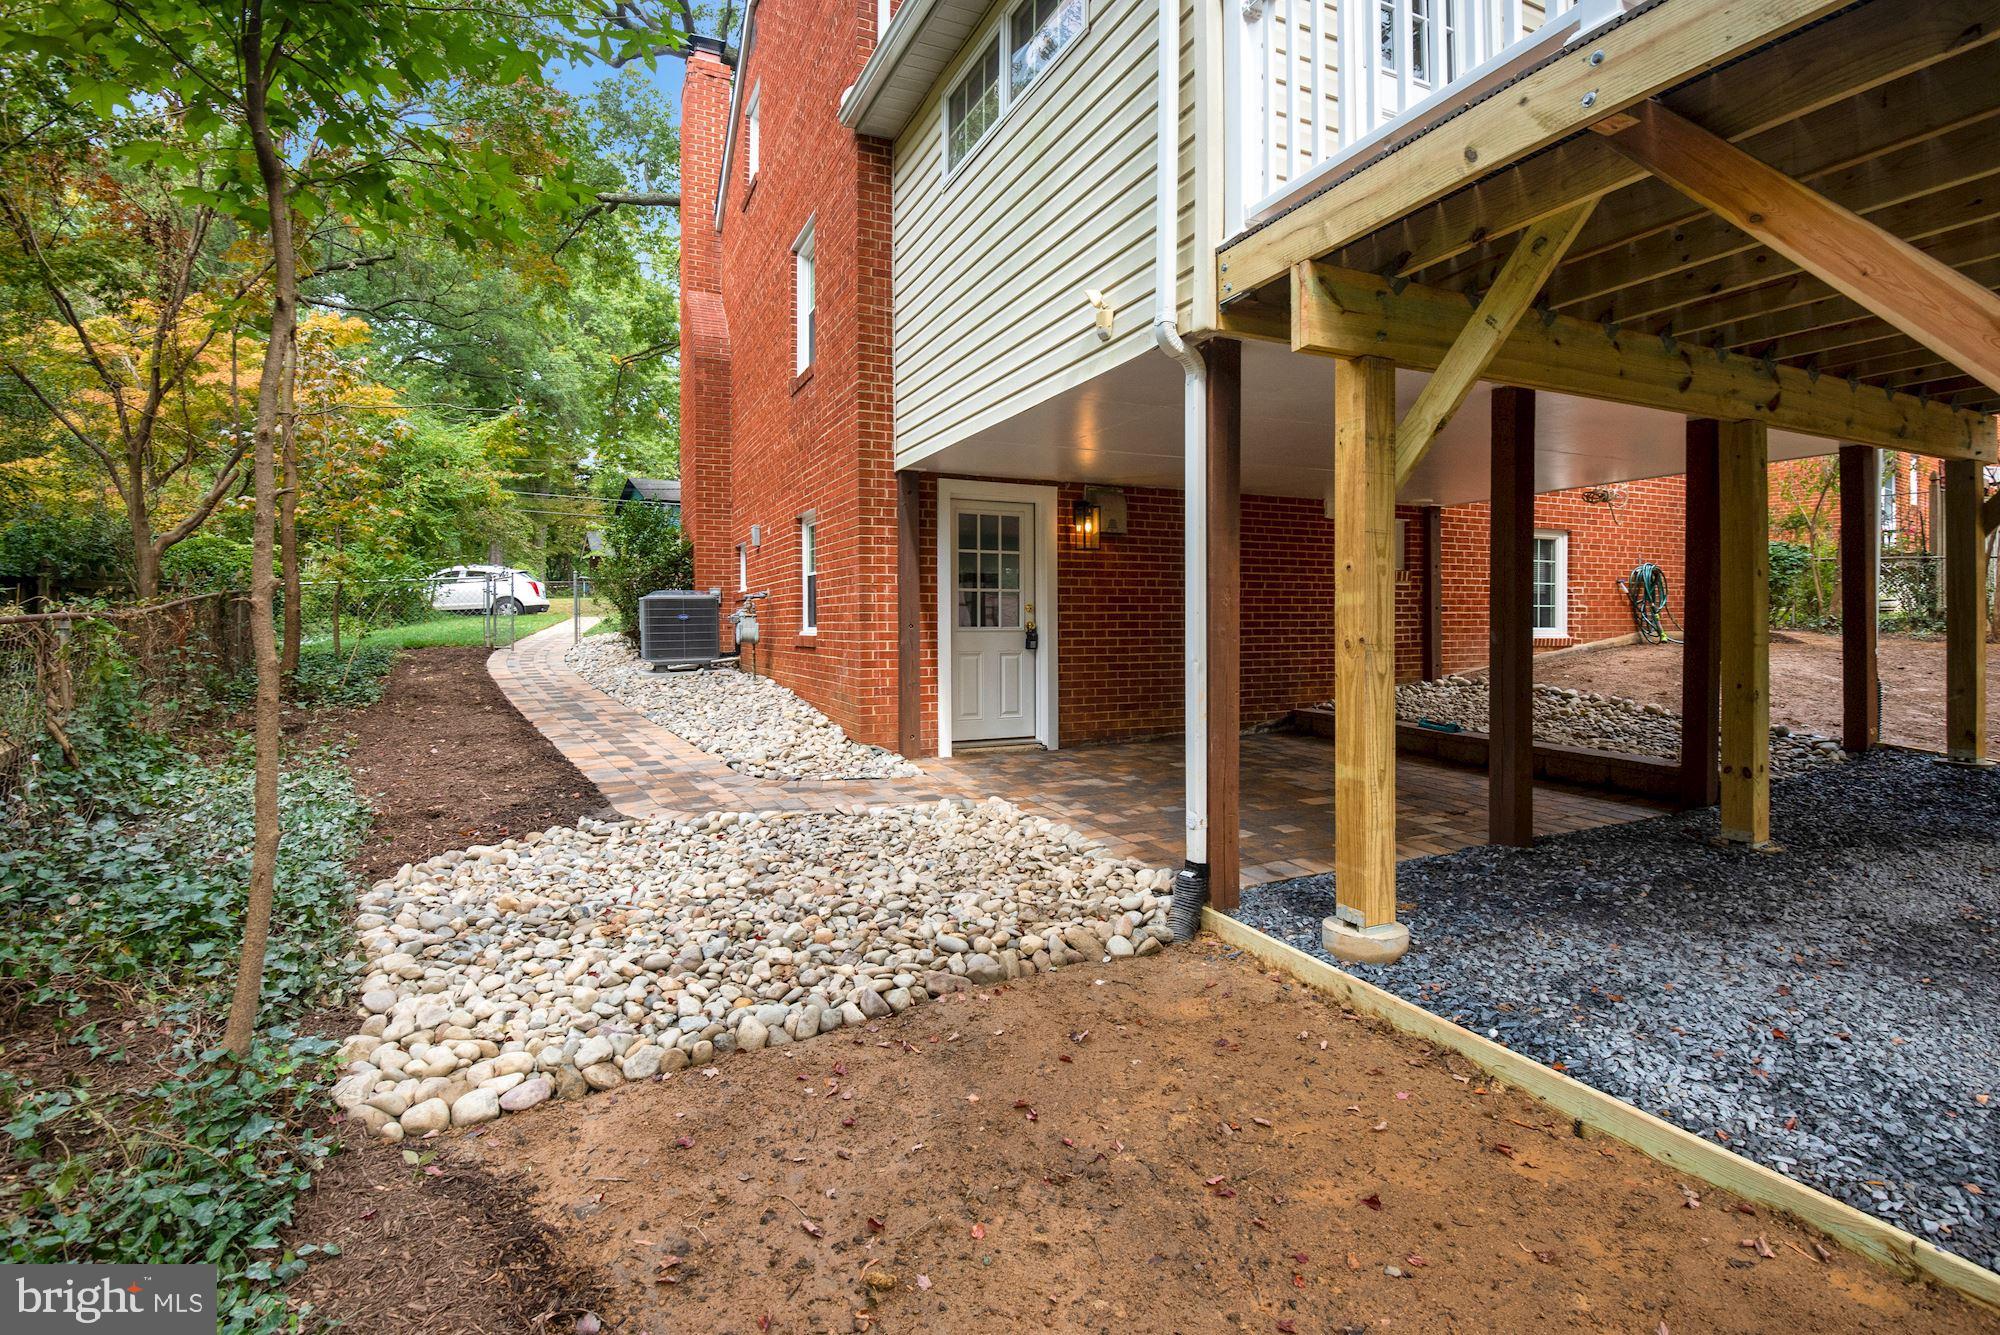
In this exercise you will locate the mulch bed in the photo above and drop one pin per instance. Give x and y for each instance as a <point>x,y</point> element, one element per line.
<point>445,761</point>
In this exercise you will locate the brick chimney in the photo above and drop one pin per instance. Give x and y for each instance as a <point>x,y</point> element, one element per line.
<point>706,503</point>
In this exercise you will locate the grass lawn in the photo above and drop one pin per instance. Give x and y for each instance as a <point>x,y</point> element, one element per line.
<point>449,629</point>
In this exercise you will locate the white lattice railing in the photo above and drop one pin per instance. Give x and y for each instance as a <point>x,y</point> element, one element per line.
<point>1313,83</point>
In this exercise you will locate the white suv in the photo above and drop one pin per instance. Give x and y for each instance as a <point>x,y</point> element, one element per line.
<point>467,589</point>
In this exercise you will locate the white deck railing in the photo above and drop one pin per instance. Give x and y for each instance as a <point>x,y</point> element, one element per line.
<point>1315,84</point>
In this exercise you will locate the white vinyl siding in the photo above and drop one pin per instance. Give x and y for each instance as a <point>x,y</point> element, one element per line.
<point>991,262</point>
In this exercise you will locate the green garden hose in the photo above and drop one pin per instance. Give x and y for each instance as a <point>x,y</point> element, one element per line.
<point>1647,588</point>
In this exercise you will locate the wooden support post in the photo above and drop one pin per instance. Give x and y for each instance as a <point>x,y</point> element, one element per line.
<point>1860,531</point>
<point>1431,623</point>
<point>1964,614</point>
<point>909,615</point>
<point>1701,605</point>
<point>1743,474</point>
<point>1364,928</point>
<point>1510,680</point>
<point>1225,615</point>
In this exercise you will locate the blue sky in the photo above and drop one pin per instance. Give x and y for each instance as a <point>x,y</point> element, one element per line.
<point>665,75</point>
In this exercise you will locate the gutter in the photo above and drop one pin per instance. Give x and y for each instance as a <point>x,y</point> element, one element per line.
<point>890,48</point>
<point>1191,886</point>
<point>741,63</point>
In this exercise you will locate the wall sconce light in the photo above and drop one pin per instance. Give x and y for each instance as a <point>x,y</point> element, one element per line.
<point>1086,525</point>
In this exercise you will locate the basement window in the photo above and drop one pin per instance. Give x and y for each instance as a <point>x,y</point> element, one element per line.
<point>753,137</point>
<point>742,568</point>
<point>808,576</point>
<point>1551,601</point>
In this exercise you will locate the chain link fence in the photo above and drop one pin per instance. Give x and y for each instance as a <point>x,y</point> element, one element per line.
<point>52,664</point>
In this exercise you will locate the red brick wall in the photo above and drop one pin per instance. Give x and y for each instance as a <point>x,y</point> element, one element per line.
<point>817,443</point>
<point>1120,612</point>
<point>1646,523</point>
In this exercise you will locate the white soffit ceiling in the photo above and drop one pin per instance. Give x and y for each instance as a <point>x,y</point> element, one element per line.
<point>1123,428</point>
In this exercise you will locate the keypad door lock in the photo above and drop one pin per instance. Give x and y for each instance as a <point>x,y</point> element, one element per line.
<point>1033,636</point>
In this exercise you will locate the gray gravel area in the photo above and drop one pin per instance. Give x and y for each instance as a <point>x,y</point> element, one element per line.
<point>1831,1009</point>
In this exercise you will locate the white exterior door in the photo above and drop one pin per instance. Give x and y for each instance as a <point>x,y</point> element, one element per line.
<point>993,619</point>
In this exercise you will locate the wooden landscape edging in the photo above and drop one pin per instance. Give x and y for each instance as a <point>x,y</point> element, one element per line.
<point>1612,771</point>
<point>1653,1137</point>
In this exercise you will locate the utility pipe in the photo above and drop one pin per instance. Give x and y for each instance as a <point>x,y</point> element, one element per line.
<point>1192,888</point>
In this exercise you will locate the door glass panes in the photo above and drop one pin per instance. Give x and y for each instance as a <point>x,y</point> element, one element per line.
<point>989,571</point>
<point>1545,583</point>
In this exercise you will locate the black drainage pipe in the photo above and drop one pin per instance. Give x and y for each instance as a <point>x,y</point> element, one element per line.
<point>1190,897</point>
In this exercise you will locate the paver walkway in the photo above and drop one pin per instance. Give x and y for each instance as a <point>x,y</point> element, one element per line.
<point>1125,795</point>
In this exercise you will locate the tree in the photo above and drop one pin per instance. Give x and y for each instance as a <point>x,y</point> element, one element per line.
<point>126,332</point>
<point>320,114</point>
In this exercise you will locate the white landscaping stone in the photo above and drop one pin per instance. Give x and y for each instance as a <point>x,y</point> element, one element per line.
<point>583,957</point>
<point>753,723</point>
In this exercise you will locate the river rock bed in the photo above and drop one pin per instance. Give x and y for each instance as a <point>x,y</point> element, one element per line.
<point>581,958</point>
<point>753,723</point>
<point>1568,717</point>
<point>1830,1009</point>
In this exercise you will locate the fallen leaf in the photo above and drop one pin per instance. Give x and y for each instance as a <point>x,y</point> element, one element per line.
<point>812,1228</point>
<point>1287,1327</point>
<point>1372,1200</point>
<point>923,1281</point>
<point>979,1230</point>
<point>875,1225</point>
<point>1260,1121</point>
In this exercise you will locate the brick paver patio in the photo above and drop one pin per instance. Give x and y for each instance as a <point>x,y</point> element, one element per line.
<point>1126,795</point>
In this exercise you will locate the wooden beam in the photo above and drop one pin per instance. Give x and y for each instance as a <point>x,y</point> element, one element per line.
<point>1709,321</point>
<point>1431,599</point>
<point>1743,474</point>
<point>1964,613</point>
<point>1364,614</point>
<point>1225,619</point>
<point>1860,686</point>
<point>1541,249</point>
<point>1837,60</point>
<point>1710,250</point>
<point>1340,313</point>
<point>909,614</point>
<point>1510,678</point>
<point>1652,51</point>
<point>1931,302</point>
<point>1701,643</point>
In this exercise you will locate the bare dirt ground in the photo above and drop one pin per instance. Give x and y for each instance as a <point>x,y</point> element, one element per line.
<point>446,761</point>
<point>1805,682</point>
<point>1177,1143</point>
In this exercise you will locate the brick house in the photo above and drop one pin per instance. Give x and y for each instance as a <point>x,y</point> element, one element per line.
<point>782,449</point>
<point>1076,370</point>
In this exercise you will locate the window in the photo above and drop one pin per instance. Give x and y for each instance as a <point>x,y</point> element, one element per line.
<point>808,576</point>
<point>1437,31</point>
<point>883,14</point>
<point>742,568</point>
<point>1889,497</point>
<point>1036,33</point>
<point>804,296</point>
<point>989,571</point>
<point>1551,604</point>
<point>1032,36</point>
<point>753,138</point>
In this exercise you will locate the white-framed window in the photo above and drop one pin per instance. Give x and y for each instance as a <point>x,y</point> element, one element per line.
<point>808,575</point>
<point>1032,36</point>
<point>804,296</point>
<point>1439,37</point>
<point>883,13</point>
<point>742,567</point>
<point>1889,497</point>
<point>1551,597</point>
<point>753,135</point>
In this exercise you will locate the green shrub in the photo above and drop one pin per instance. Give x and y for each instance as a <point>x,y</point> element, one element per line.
<point>127,879</point>
<point>647,551</point>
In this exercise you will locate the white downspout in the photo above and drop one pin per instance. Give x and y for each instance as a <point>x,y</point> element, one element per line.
<point>1194,428</point>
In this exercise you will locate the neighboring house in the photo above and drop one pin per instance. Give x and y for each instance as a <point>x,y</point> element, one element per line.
<point>1030,344</point>
<point>664,491</point>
